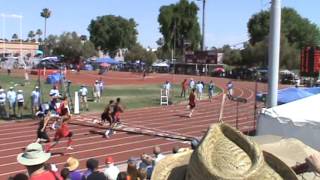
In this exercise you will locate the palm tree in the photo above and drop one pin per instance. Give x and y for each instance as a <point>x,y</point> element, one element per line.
<point>46,13</point>
<point>39,33</point>
<point>31,35</point>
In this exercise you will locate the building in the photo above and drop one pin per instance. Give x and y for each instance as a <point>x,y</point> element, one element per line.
<point>15,48</point>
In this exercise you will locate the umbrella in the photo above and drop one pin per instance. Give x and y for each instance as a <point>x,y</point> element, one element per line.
<point>105,65</point>
<point>219,69</point>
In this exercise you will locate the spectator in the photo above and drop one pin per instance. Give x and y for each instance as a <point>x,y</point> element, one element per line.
<point>230,88</point>
<point>91,165</point>
<point>65,174</point>
<point>111,171</point>
<point>191,84</point>
<point>142,174</point>
<point>184,87</point>
<point>95,174</point>
<point>157,153</point>
<point>83,92</point>
<point>20,101</point>
<point>167,87</point>
<point>19,176</point>
<point>33,158</point>
<point>132,169</point>
<point>96,91</point>
<point>194,144</point>
<point>199,87</point>
<point>35,100</point>
<point>11,96</point>
<point>101,84</point>
<point>72,165</point>
<point>211,90</point>
<point>175,149</point>
<point>54,92</point>
<point>314,162</point>
<point>123,176</point>
<point>3,97</point>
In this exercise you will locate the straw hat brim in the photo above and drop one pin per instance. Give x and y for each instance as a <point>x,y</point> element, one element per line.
<point>189,165</point>
<point>172,167</point>
<point>73,166</point>
<point>31,162</point>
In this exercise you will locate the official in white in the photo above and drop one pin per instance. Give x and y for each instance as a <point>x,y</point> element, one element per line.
<point>35,99</point>
<point>83,92</point>
<point>199,88</point>
<point>3,112</point>
<point>20,101</point>
<point>96,91</point>
<point>11,97</point>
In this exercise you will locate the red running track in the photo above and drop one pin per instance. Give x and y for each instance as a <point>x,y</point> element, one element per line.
<point>169,119</point>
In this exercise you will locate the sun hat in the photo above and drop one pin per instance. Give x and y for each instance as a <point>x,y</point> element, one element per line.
<point>1,90</point>
<point>11,87</point>
<point>20,91</point>
<point>33,155</point>
<point>223,153</point>
<point>37,87</point>
<point>109,160</point>
<point>72,163</point>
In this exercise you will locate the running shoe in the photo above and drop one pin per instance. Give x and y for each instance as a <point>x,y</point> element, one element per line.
<point>69,148</point>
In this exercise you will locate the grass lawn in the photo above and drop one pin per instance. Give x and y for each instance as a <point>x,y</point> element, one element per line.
<point>133,96</point>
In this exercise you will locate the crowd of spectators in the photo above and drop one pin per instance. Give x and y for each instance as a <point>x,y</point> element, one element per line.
<point>34,158</point>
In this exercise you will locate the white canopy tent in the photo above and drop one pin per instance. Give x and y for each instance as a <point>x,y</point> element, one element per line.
<point>299,119</point>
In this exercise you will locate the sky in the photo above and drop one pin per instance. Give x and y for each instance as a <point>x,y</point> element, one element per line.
<point>226,20</point>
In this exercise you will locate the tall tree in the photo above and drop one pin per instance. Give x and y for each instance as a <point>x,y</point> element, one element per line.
<point>113,32</point>
<point>69,44</point>
<point>137,52</point>
<point>31,35</point>
<point>46,13</point>
<point>178,24</point>
<point>296,29</point>
<point>39,33</point>
<point>14,36</point>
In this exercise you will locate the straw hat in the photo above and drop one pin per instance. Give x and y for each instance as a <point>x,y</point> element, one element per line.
<point>33,155</point>
<point>72,163</point>
<point>224,153</point>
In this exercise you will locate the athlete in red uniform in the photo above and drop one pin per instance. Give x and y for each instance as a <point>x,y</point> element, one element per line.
<point>192,102</point>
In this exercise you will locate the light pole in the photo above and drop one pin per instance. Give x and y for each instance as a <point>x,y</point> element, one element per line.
<point>274,53</point>
<point>203,24</point>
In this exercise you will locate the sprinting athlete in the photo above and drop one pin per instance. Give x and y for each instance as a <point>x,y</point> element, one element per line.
<point>42,136</point>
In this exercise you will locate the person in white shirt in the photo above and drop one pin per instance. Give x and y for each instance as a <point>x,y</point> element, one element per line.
<point>230,88</point>
<point>191,84</point>
<point>101,84</point>
<point>3,112</point>
<point>35,100</point>
<point>20,101</point>
<point>96,91</point>
<point>11,96</point>
<point>54,92</point>
<point>83,92</point>
<point>167,87</point>
<point>111,171</point>
<point>158,154</point>
<point>199,88</point>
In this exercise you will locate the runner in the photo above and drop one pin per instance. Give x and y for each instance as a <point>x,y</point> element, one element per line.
<point>192,102</point>
<point>184,87</point>
<point>117,110</point>
<point>230,89</point>
<point>42,136</point>
<point>62,131</point>
<point>107,113</point>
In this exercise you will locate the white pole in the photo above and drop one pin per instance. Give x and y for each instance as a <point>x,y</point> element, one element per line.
<point>20,21</point>
<point>76,103</point>
<point>274,53</point>
<point>4,34</point>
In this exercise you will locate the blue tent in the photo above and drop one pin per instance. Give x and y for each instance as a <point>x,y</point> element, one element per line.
<point>313,90</point>
<point>107,60</point>
<point>292,94</point>
<point>54,78</point>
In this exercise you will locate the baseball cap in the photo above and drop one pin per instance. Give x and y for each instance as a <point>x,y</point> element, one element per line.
<point>109,160</point>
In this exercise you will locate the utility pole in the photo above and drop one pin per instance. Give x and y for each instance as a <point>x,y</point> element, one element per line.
<point>203,24</point>
<point>274,53</point>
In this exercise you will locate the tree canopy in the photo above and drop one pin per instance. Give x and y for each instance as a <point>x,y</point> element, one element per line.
<point>110,33</point>
<point>179,24</point>
<point>71,46</point>
<point>296,29</point>
<point>137,52</point>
